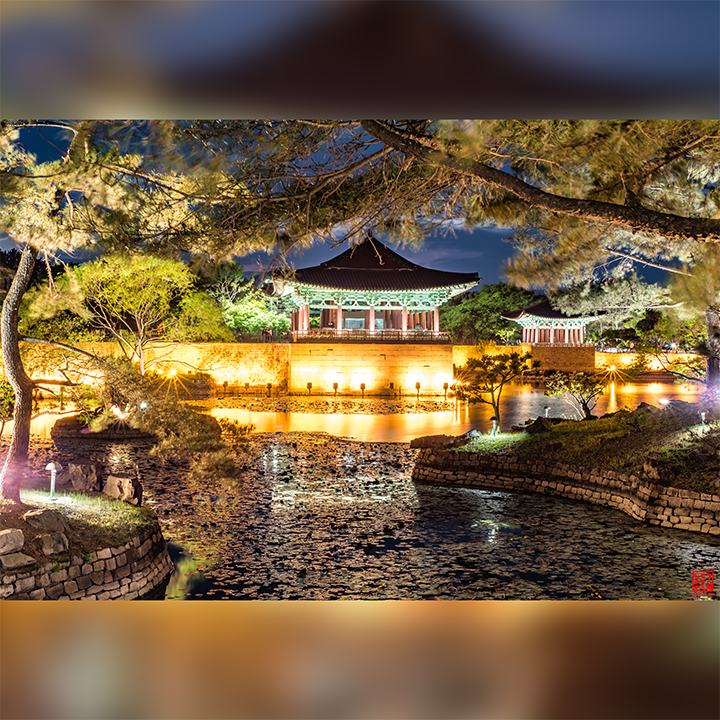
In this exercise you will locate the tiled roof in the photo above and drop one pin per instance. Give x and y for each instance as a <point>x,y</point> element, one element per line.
<point>370,265</point>
<point>543,309</point>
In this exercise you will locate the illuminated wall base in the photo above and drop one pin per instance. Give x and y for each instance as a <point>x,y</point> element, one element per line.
<point>382,368</point>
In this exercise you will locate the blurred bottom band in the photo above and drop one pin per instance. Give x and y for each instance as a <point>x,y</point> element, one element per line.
<point>359,660</point>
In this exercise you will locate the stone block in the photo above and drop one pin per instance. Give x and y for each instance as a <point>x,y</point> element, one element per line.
<point>54,543</point>
<point>99,565</point>
<point>84,476</point>
<point>83,582</point>
<point>104,554</point>
<point>11,541</point>
<point>70,587</point>
<point>74,572</point>
<point>124,486</point>
<point>54,591</point>
<point>15,560</point>
<point>59,576</point>
<point>48,521</point>
<point>38,594</point>
<point>25,584</point>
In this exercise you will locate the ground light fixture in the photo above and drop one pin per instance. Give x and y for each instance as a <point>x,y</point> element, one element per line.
<point>362,390</point>
<point>664,401</point>
<point>417,387</point>
<point>702,420</point>
<point>445,388</point>
<point>335,388</point>
<point>309,387</point>
<point>269,389</point>
<point>494,430</point>
<point>547,410</point>
<point>54,468</point>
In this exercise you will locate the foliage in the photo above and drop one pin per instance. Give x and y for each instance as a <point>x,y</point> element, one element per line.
<point>488,375</point>
<point>147,403</point>
<point>580,390</point>
<point>245,308</point>
<point>475,316</point>
<point>135,299</point>
<point>7,399</point>
<point>614,300</point>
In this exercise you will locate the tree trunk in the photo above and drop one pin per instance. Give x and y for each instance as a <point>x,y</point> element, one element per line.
<point>712,363</point>
<point>16,460</point>
<point>635,217</point>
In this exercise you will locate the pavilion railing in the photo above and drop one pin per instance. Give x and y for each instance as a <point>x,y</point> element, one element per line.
<point>359,335</point>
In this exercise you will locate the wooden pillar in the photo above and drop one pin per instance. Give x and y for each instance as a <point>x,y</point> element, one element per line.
<point>552,334</point>
<point>403,318</point>
<point>423,321</point>
<point>437,319</point>
<point>371,318</point>
<point>306,314</point>
<point>338,317</point>
<point>293,320</point>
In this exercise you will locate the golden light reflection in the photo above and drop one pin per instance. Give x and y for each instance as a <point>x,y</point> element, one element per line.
<point>612,400</point>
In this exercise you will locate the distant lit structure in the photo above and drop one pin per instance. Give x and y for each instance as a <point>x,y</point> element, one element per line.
<point>542,324</point>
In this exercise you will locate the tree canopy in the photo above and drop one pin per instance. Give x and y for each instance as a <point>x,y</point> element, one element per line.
<point>134,299</point>
<point>475,316</point>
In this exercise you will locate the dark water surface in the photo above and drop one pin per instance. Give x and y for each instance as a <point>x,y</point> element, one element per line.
<point>322,518</point>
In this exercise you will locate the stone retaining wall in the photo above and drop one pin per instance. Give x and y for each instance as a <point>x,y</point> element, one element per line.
<point>643,500</point>
<point>139,569</point>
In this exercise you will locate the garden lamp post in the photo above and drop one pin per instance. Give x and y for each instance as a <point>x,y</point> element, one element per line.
<point>494,430</point>
<point>362,390</point>
<point>309,387</point>
<point>445,388</point>
<point>417,387</point>
<point>269,389</point>
<point>335,388</point>
<point>54,468</point>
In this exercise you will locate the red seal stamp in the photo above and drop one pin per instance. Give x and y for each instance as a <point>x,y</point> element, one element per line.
<point>703,583</point>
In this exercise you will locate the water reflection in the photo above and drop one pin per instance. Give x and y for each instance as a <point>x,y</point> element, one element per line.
<point>518,404</point>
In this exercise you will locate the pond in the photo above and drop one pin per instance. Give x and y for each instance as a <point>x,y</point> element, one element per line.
<point>323,518</point>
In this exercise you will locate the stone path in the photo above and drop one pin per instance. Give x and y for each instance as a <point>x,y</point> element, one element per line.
<point>320,517</point>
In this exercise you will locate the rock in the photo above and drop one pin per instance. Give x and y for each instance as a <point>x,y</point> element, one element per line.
<point>539,425</point>
<point>433,441</point>
<point>15,560</point>
<point>644,407</point>
<point>47,520</point>
<point>54,544</point>
<point>125,487</point>
<point>11,541</point>
<point>85,476</point>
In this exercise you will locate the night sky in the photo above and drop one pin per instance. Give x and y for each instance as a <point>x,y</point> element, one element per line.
<point>217,58</point>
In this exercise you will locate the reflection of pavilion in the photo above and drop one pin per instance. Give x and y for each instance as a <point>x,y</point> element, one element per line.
<point>541,323</point>
<point>370,292</point>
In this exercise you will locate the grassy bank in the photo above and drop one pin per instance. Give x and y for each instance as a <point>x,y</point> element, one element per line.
<point>669,447</point>
<point>95,521</point>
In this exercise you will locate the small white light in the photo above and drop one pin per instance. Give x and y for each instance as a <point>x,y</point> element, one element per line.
<point>54,468</point>
<point>664,401</point>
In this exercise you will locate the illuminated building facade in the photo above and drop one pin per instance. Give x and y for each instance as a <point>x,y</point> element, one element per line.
<point>542,324</point>
<point>370,292</point>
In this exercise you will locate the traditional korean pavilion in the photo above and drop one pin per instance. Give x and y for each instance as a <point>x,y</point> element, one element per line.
<point>369,290</point>
<point>541,323</point>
